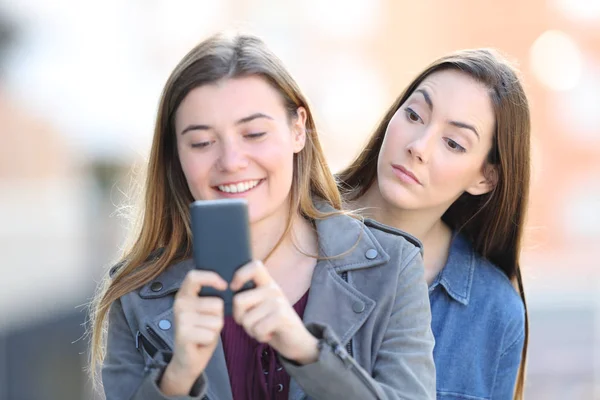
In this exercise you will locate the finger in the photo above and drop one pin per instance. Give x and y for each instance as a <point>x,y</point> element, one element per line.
<point>250,318</point>
<point>195,279</point>
<point>254,271</point>
<point>264,329</point>
<point>242,302</point>
<point>200,305</point>
<point>198,336</point>
<point>194,320</point>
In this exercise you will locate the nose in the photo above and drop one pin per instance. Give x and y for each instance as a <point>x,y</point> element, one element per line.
<point>232,157</point>
<point>419,147</point>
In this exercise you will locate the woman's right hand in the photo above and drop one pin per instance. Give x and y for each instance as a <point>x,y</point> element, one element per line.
<point>198,324</point>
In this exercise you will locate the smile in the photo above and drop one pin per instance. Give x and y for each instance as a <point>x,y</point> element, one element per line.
<point>239,187</point>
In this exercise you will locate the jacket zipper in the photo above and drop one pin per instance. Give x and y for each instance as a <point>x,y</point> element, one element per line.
<point>158,340</point>
<point>349,345</point>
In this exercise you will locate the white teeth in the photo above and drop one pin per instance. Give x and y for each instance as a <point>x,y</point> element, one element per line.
<point>238,187</point>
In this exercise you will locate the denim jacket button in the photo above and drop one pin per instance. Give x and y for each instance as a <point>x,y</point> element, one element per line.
<point>358,307</point>
<point>156,286</point>
<point>164,324</point>
<point>371,254</point>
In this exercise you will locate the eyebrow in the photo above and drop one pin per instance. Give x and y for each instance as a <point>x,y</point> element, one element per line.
<point>245,120</point>
<point>465,126</point>
<point>427,98</point>
<point>453,123</point>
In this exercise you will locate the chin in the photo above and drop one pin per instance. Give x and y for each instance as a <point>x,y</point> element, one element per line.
<point>254,217</point>
<point>258,212</point>
<point>397,196</point>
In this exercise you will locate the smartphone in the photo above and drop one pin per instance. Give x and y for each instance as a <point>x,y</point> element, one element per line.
<point>221,241</point>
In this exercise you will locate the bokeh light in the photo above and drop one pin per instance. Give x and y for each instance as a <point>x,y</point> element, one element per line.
<point>556,60</point>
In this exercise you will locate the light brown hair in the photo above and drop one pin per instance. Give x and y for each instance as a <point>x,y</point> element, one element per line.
<point>164,215</point>
<point>493,221</point>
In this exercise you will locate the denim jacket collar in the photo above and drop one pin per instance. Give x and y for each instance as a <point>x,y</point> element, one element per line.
<point>457,276</point>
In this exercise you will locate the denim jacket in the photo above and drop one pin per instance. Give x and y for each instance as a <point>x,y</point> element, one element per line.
<point>478,321</point>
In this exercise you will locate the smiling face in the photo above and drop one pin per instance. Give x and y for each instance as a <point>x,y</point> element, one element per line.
<point>236,139</point>
<point>436,145</point>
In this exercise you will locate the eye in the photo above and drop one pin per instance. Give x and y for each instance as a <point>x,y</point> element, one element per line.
<point>412,115</point>
<point>201,145</point>
<point>255,135</point>
<point>454,146</point>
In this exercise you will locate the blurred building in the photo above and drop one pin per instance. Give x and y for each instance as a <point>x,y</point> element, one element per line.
<point>79,86</point>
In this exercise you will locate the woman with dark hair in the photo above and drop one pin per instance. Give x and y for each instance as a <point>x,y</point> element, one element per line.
<point>449,164</point>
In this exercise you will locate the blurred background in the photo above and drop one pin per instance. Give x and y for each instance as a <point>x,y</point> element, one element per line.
<point>79,87</point>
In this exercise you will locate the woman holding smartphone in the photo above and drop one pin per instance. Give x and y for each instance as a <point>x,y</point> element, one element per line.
<point>449,163</point>
<point>340,309</point>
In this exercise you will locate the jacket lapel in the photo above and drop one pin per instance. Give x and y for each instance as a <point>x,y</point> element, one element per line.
<point>336,303</point>
<point>346,245</point>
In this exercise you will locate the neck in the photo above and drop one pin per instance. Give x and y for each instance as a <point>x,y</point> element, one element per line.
<point>425,224</point>
<point>268,232</point>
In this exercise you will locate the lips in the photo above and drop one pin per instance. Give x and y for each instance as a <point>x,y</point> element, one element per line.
<point>405,174</point>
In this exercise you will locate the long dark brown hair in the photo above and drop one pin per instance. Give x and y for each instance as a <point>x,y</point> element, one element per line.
<point>493,221</point>
<point>164,214</point>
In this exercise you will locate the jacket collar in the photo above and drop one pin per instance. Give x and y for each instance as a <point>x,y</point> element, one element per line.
<point>457,276</point>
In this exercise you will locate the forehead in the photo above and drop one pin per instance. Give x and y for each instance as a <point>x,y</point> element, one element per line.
<point>458,96</point>
<point>230,98</point>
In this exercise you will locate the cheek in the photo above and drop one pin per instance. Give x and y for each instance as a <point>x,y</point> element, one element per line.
<point>278,159</point>
<point>277,151</point>
<point>394,141</point>
<point>451,176</point>
<point>196,169</point>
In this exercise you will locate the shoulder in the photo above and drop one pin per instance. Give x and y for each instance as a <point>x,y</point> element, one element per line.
<point>491,282</point>
<point>356,243</point>
<point>493,294</point>
<point>394,232</point>
<point>340,232</point>
<point>114,270</point>
<point>404,251</point>
<point>390,237</point>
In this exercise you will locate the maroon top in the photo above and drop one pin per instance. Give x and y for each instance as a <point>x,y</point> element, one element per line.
<point>254,369</point>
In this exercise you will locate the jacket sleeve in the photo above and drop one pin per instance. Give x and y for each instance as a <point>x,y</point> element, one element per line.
<point>404,367</point>
<point>508,367</point>
<point>125,373</point>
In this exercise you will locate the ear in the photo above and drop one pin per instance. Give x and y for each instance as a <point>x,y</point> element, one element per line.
<point>485,182</point>
<point>299,130</point>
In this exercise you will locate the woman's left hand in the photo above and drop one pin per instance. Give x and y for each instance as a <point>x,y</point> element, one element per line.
<point>267,315</point>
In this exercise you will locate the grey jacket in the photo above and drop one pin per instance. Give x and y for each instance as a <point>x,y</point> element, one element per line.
<point>371,302</point>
